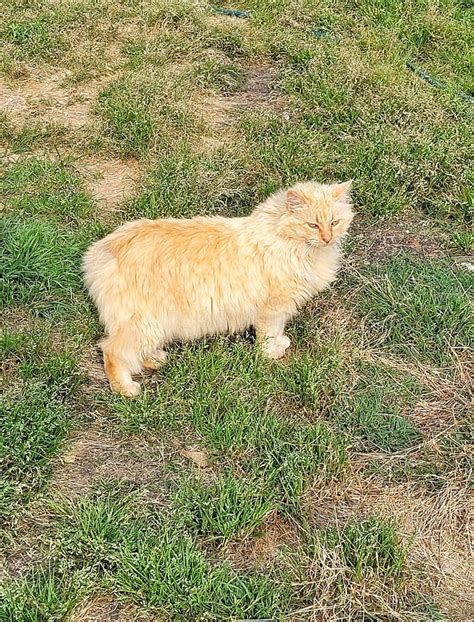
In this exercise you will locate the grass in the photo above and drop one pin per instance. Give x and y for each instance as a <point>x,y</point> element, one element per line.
<point>33,426</point>
<point>45,231</point>
<point>228,507</point>
<point>30,136</point>
<point>187,585</point>
<point>42,595</point>
<point>333,561</point>
<point>154,563</point>
<point>287,518</point>
<point>375,410</point>
<point>222,77</point>
<point>40,264</point>
<point>180,180</point>
<point>422,307</point>
<point>368,546</point>
<point>126,110</point>
<point>141,111</point>
<point>35,187</point>
<point>35,412</point>
<point>238,420</point>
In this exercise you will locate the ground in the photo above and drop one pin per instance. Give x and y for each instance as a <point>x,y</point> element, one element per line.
<point>332,485</point>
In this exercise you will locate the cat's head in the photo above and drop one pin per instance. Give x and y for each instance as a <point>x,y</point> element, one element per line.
<point>317,213</point>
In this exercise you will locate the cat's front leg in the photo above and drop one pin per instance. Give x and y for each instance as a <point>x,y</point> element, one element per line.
<point>275,347</point>
<point>270,327</point>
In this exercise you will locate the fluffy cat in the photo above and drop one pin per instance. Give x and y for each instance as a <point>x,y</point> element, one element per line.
<point>154,281</point>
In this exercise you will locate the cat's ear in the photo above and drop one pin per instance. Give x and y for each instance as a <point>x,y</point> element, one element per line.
<point>341,191</point>
<point>294,200</point>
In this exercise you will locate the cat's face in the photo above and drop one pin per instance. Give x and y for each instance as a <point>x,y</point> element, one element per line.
<point>318,214</point>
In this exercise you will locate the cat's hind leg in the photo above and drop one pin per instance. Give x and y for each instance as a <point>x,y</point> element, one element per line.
<point>155,360</point>
<point>122,358</point>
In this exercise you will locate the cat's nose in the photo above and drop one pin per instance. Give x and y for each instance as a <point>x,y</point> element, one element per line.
<point>326,236</point>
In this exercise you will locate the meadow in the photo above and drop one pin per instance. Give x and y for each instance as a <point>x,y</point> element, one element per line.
<point>332,485</point>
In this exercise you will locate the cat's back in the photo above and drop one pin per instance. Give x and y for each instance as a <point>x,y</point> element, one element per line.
<point>182,235</point>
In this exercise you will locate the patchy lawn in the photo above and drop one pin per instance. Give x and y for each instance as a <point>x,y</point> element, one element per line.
<point>333,485</point>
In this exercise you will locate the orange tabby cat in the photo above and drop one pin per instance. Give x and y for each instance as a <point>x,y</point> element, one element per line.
<point>154,281</point>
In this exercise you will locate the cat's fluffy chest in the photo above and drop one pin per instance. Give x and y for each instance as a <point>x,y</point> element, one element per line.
<point>322,268</point>
<point>304,271</point>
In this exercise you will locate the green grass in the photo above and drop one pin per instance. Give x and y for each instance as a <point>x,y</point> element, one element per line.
<point>34,37</point>
<point>129,120</point>
<point>377,367</point>
<point>328,564</point>
<point>422,308</point>
<point>237,419</point>
<point>45,594</point>
<point>169,574</point>
<point>188,584</point>
<point>226,508</point>
<point>369,546</point>
<point>376,410</point>
<point>183,181</point>
<point>30,135</point>
<point>32,187</point>
<point>34,422</point>
<point>94,530</point>
<point>222,77</point>
<point>40,264</point>
<point>35,411</point>
<point>36,356</point>
<point>111,540</point>
<point>141,112</point>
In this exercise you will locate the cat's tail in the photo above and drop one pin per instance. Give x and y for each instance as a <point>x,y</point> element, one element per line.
<point>107,286</point>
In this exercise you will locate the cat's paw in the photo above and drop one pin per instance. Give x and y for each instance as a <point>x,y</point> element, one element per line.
<point>131,389</point>
<point>155,361</point>
<point>275,347</point>
<point>284,341</point>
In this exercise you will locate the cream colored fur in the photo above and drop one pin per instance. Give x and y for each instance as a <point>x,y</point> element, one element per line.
<point>155,281</point>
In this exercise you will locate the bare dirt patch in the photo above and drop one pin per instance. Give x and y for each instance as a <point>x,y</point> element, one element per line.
<point>197,456</point>
<point>94,454</point>
<point>263,548</point>
<point>111,181</point>
<point>396,235</point>
<point>47,99</point>
<point>220,112</point>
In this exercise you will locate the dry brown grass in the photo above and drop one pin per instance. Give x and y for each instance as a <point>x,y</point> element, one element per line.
<point>263,549</point>
<point>107,609</point>
<point>94,454</point>
<point>435,525</point>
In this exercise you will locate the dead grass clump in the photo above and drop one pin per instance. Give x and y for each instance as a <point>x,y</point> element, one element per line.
<point>434,528</point>
<point>95,454</point>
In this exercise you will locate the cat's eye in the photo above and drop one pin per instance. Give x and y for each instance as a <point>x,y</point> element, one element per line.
<point>313,225</point>
<point>335,223</point>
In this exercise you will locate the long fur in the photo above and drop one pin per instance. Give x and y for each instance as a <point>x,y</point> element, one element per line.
<point>155,281</point>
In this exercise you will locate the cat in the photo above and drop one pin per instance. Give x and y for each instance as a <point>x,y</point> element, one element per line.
<point>155,281</point>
